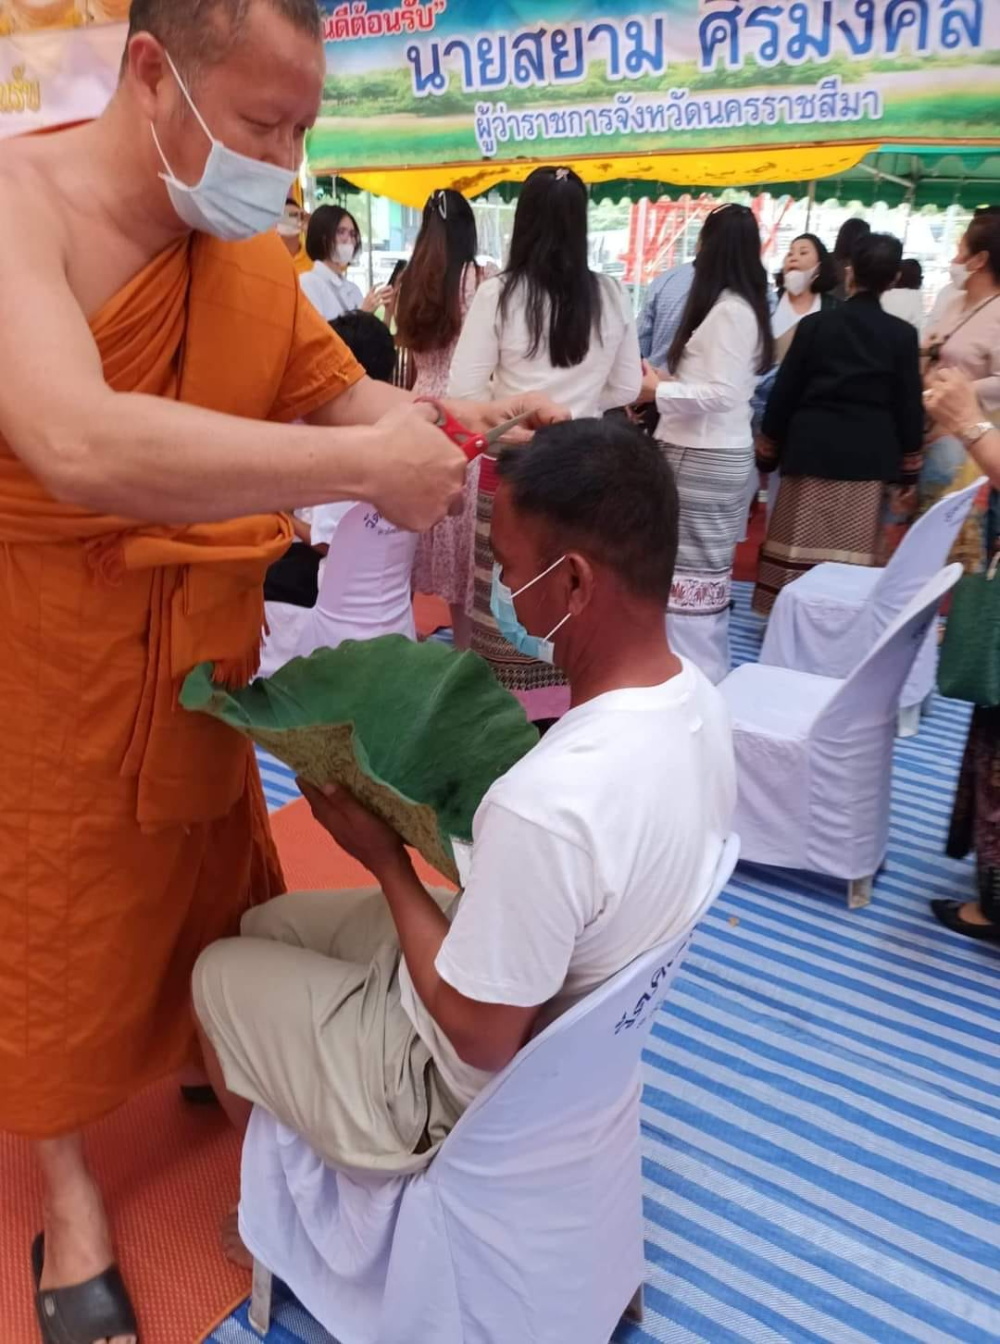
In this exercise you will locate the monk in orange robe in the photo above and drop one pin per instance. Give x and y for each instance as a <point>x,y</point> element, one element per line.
<point>153,356</point>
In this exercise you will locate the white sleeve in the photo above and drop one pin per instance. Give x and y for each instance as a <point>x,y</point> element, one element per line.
<point>731,338</point>
<point>625,377</point>
<point>529,896</point>
<point>478,351</point>
<point>312,288</point>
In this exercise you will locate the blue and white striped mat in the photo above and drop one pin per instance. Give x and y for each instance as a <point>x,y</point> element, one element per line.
<point>821,1115</point>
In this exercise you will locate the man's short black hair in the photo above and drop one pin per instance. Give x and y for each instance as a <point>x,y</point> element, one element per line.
<point>200,33</point>
<point>875,261</point>
<point>369,341</point>
<point>606,490</point>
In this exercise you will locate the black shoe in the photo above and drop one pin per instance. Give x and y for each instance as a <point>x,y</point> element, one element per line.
<point>198,1094</point>
<point>947,912</point>
<point>97,1309</point>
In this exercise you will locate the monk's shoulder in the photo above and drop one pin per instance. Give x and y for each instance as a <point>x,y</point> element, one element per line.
<point>29,202</point>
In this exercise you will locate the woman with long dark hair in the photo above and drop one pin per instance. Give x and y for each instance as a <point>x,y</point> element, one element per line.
<point>547,324</point>
<point>723,345</point>
<point>333,242</point>
<point>435,293</point>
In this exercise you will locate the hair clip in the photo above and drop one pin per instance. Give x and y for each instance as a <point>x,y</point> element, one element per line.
<point>442,204</point>
<point>562,174</point>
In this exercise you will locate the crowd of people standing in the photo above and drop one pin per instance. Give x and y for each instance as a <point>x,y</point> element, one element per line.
<point>815,385</point>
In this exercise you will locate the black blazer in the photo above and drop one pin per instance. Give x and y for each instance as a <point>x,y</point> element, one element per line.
<point>847,404</point>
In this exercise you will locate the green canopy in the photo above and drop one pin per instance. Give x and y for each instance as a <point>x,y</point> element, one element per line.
<point>416,732</point>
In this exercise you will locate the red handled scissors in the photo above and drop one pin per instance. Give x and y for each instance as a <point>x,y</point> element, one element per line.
<point>472,444</point>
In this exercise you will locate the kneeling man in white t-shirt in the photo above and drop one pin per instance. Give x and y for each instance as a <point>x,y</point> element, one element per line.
<point>367,1021</point>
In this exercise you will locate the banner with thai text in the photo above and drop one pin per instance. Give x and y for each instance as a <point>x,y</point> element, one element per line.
<point>459,81</point>
<point>54,78</point>
<point>34,16</point>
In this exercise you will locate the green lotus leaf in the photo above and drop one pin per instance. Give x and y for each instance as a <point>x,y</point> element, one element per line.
<point>416,732</point>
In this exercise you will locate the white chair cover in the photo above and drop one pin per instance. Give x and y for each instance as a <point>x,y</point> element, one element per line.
<point>826,621</point>
<point>814,754</point>
<point>286,627</point>
<point>365,588</point>
<point>526,1227</point>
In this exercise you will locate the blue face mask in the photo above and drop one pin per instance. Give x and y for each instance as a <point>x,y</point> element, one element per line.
<point>502,607</point>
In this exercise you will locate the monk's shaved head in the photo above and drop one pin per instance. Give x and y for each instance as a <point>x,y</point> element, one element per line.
<point>200,33</point>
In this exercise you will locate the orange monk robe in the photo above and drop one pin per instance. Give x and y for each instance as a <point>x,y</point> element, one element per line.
<point>303,262</point>
<point>131,833</point>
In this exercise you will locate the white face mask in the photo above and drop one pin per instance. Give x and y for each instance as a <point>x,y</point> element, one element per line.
<point>506,617</point>
<point>289,226</point>
<point>237,197</point>
<point>343,253</point>
<point>797,282</point>
<point>959,274</point>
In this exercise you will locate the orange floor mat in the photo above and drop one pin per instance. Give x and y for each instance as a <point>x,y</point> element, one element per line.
<point>170,1171</point>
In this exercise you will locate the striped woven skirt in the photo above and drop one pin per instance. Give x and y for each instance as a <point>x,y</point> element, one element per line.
<point>816,521</point>
<point>541,688</point>
<point>712,485</point>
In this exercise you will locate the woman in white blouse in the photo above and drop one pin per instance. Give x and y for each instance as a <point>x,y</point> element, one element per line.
<point>333,241</point>
<point>723,345</point>
<point>547,324</point>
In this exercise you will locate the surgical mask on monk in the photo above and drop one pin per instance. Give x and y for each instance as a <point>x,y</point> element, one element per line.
<point>797,282</point>
<point>237,197</point>
<point>505,615</point>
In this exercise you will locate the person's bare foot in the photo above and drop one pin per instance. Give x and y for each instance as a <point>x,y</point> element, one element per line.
<point>232,1243</point>
<point>972,914</point>
<point>77,1239</point>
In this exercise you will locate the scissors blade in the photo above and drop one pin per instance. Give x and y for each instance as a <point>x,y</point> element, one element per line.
<point>496,434</point>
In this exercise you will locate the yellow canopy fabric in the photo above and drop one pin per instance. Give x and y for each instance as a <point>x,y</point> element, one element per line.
<point>719,169</point>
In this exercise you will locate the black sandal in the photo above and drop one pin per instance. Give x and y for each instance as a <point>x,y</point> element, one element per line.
<point>949,913</point>
<point>98,1309</point>
<point>198,1094</point>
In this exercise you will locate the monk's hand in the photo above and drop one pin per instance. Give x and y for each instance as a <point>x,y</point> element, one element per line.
<point>356,830</point>
<point>951,401</point>
<point>482,416</point>
<point>417,475</point>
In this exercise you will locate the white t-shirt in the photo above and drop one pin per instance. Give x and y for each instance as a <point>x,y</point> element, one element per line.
<point>707,403</point>
<point>599,844</point>
<point>492,360</point>
<point>329,293</point>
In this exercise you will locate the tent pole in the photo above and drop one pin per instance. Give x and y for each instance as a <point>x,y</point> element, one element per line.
<point>809,206</point>
<point>640,265</point>
<point>371,250</point>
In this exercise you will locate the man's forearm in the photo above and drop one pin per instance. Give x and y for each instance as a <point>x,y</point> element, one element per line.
<point>421,924</point>
<point>142,458</point>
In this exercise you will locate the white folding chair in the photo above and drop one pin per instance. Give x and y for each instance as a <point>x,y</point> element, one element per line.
<point>814,754</point>
<point>827,620</point>
<point>527,1226</point>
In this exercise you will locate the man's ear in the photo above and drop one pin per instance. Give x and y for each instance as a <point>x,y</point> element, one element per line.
<point>580,575</point>
<point>147,67</point>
